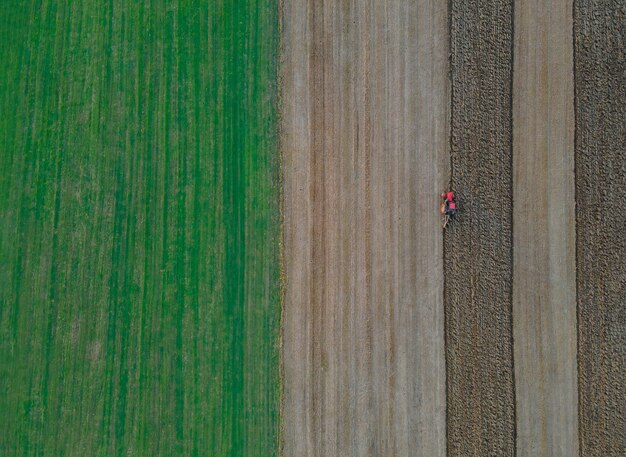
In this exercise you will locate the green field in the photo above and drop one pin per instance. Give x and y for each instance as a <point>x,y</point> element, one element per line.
<point>140,228</point>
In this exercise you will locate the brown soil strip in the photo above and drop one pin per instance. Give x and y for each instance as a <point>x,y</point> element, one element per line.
<point>478,256</point>
<point>364,139</point>
<point>600,44</point>
<point>544,270</point>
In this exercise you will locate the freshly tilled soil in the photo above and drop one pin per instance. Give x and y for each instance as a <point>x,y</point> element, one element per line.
<point>600,82</point>
<point>477,246</point>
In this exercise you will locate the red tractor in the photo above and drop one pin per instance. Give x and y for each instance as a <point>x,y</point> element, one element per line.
<point>449,207</point>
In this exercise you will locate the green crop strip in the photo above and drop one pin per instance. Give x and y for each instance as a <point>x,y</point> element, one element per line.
<point>139,230</point>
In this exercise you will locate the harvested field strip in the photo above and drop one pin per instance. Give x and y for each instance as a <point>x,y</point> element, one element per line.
<point>139,209</point>
<point>365,127</point>
<point>544,270</point>
<point>478,246</point>
<point>600,82</point>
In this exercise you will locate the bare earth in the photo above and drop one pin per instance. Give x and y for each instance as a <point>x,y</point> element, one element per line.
<point>364,139</point>
<point>478,261</point>
<point>601,224</point>
<point>544,231</point>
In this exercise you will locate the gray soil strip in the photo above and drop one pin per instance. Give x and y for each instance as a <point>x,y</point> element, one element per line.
<point>478,245</point>
<point>364,141</point>
<point>544,234</point>
<point>600,82</point>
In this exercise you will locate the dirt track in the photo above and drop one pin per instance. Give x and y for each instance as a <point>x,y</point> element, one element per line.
<point>601,181</point>
<point>365,147</point>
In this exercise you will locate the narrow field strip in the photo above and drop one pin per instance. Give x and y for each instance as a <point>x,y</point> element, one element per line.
<point>364,134</point>
<point>544,231</point>
<point>600,84</point>
<point>140,226</point>
<point>478,256</point>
